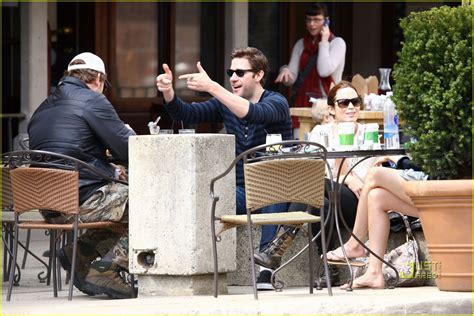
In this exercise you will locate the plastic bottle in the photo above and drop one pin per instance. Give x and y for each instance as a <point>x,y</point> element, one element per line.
<point>390,124</point>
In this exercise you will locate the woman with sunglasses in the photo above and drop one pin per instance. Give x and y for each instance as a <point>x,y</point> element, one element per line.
<point>366,199</point>
<point>344,105</point>
<point>378,191</point>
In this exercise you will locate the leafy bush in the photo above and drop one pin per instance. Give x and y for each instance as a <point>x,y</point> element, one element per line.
<point>433,89</point>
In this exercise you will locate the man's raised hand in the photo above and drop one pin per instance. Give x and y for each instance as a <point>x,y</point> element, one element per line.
<point>199,81</point>
<point>164,82</point>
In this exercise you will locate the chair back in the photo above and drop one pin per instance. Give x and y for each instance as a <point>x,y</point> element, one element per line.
<point>284,180</point>
<point>45,188</point>
<point>293,171</point>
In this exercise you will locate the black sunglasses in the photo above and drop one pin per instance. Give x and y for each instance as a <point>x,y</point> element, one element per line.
<point>239,72</point>
<point>344,103</point>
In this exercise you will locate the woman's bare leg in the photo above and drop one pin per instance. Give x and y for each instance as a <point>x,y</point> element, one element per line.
<point>380,201</point>
<point>377,177</point>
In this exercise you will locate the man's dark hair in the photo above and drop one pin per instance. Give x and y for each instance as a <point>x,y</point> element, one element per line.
<point>258,61</point>
<point>86,75</point>
<point>317,9</point>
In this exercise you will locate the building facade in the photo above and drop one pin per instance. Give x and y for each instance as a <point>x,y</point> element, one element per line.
<point>134,39</point>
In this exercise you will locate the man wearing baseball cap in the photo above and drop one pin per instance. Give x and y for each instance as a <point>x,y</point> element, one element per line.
<point>78,120</point>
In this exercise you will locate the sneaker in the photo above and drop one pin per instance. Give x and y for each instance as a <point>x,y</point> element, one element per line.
<point>105,278</point>
<point>333,278</point>
<point>82,266</point>
<point>264,282</point>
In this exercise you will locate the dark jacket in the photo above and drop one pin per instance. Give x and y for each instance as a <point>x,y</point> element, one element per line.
<point>81,123</point>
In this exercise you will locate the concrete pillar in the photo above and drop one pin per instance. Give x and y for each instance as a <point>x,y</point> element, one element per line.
<point>170,235</point>
<point>34,58</point>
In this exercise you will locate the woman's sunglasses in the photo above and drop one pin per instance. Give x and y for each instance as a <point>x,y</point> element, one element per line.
<point>239,72</point>
<point>344,103</point>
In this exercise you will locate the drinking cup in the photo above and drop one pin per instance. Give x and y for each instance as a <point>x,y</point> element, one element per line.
<point>346,135</point>
<point>272,139</point>
<point>154,129</point>
<point>166,131</point>
<point>371,134</point>
<point>187,131</point>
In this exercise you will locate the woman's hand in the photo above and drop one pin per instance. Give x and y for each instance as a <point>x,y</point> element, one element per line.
<point>379,161</point>
<point>325,33</point>
<point>355,184</point>
<point>284,76</point>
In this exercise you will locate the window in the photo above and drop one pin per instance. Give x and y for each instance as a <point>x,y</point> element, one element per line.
<point>135,39</point>
<point>136,50</point>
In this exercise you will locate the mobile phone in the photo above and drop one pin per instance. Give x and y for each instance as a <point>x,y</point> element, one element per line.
<point>390,164</point>
<point>327,21</point>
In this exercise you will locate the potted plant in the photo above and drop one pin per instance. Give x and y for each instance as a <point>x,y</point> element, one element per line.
<point>433,94</point>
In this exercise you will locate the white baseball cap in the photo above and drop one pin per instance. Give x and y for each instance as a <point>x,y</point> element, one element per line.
<point>91,61</point>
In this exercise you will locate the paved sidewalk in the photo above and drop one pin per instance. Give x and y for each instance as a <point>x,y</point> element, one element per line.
<point>32,297</point>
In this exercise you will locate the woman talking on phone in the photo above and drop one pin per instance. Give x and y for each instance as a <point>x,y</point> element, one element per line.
<point>317,60</point>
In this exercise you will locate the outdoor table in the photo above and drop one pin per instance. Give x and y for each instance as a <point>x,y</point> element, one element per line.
<point>334,195</point>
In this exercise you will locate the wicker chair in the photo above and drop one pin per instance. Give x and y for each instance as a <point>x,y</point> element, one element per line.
<point>291,171</point>
<point>8,220</point>
<point>44,180</point>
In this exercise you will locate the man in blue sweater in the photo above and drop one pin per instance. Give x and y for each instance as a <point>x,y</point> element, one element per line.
<point>249,112</point>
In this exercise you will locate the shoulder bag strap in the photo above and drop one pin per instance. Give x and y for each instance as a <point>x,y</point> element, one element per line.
<point>302,76</point>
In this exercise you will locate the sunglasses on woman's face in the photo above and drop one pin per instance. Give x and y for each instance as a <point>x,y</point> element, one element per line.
<point>239,72</point>
<point>344,103</point>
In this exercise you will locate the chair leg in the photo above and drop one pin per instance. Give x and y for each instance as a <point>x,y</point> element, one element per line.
<point>58,265</point>
<point>324,246</point>
<point>214,256</point>
<point>74,257</point>
<point>252,260</point>
<point>311,258</point>
<point>66,241</point>
<point>7,255</point>
<point>27,246</point>
<point>50,260</point>
<point>11,242</point>
<point>5,252</point>
<point>53,269</point>
<point>12,271</point>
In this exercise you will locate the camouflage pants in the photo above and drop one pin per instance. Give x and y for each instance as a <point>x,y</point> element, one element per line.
<point>108,203</point>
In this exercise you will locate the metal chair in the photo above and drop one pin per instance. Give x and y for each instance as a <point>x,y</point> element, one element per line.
<point>288,171</point>
<point>8,219</point>
<point>42,180</point>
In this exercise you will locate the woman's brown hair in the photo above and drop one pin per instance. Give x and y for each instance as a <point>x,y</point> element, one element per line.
<point>332,93</point>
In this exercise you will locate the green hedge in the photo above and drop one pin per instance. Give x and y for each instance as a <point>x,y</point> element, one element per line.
<point>433,89</point>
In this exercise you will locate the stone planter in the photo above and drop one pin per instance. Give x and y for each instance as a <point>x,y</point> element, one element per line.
<point>445,209</point>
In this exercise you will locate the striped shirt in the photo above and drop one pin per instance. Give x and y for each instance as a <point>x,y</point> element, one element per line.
<point>271,114</point>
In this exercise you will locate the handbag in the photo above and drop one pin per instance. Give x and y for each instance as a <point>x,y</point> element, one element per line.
<point>405,258</point>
